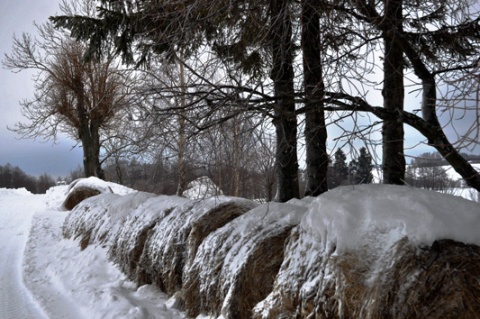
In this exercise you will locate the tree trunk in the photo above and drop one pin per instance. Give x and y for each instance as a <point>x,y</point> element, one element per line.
<point>285,118</point>
<point>393,99</point>
<point>90,138</point>
<point>182,174</point>
<point>430,128</point>
<point>315,129</point>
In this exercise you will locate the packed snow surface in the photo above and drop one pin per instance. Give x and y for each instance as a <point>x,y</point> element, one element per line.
<point>46,276</point>
<point>350,217</point>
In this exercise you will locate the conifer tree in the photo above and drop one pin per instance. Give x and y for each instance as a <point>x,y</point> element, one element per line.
<point>363,174</point>
<point>340,168</point>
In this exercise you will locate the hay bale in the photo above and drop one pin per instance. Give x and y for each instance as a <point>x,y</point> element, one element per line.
<point>235,266</point>
<point>438,281</point>
<point>372,258</point>
<point>128,241</point>
<point>94,219</point>
<point>213,219</point>
<point>166,251</point>
<point>90,214</point>
<point>303,267</point>
<point>77,195</point>
<point>83,188</point>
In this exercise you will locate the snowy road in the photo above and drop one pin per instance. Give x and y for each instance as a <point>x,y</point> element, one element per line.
<point>16,301</point>
<point>44,276</point>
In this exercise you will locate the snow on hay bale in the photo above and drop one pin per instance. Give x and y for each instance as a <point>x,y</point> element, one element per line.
<point>235,266</point>
<point>83,188</point>
<point>380,252</point>
<point>94,218</point>
<point>128,241</point>
<point>166,251</point>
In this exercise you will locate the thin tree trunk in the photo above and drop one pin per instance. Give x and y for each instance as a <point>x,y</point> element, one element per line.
<point>236,157</point>
<point>285,119</point>
<point>393,99</point>
<point>315,129</point>
<point>182,175</point>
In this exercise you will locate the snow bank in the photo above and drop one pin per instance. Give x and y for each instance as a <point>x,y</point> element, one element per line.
<point>372,251</point>
<point>201,188</point>
<point>235,266</point>
<point>78,285</point>
<point>5,192</point>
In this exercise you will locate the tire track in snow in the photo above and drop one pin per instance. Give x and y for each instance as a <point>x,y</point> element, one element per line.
<point>16,302</point>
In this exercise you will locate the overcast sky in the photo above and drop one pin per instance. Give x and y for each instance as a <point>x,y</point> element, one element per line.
<point>33,157</point>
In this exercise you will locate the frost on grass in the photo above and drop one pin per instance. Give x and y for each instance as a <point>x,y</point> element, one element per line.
<point>166,251</point>
<point>380,251</point>
<point>235,266</point>
<point>95,218</point>
<point>128,240</point>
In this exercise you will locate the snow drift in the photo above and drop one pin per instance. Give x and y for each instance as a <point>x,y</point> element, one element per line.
<point>370,251</point>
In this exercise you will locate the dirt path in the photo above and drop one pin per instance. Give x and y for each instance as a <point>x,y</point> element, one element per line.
<point>16,301</point>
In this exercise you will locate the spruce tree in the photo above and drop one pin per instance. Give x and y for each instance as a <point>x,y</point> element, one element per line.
<point>363,168</point>
<point>340,168</point>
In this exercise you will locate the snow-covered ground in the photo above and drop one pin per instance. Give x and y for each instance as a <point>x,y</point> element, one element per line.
<point>43,275</point>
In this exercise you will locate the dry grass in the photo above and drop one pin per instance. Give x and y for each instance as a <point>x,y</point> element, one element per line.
<point>211,221</point>
<point>440,281</point>
<point>167,249</point>
<point>77,196</point>
<point>255,280</point>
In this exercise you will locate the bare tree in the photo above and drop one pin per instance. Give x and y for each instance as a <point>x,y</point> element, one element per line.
<point>72,96</point>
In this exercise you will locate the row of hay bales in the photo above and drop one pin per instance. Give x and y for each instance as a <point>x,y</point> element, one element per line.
<point>438,281</point>
<point>231,257</point>
<point>221,253</point>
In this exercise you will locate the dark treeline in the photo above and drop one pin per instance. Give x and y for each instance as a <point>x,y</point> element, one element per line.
<point>14,177</point>
<point>249,181</point>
